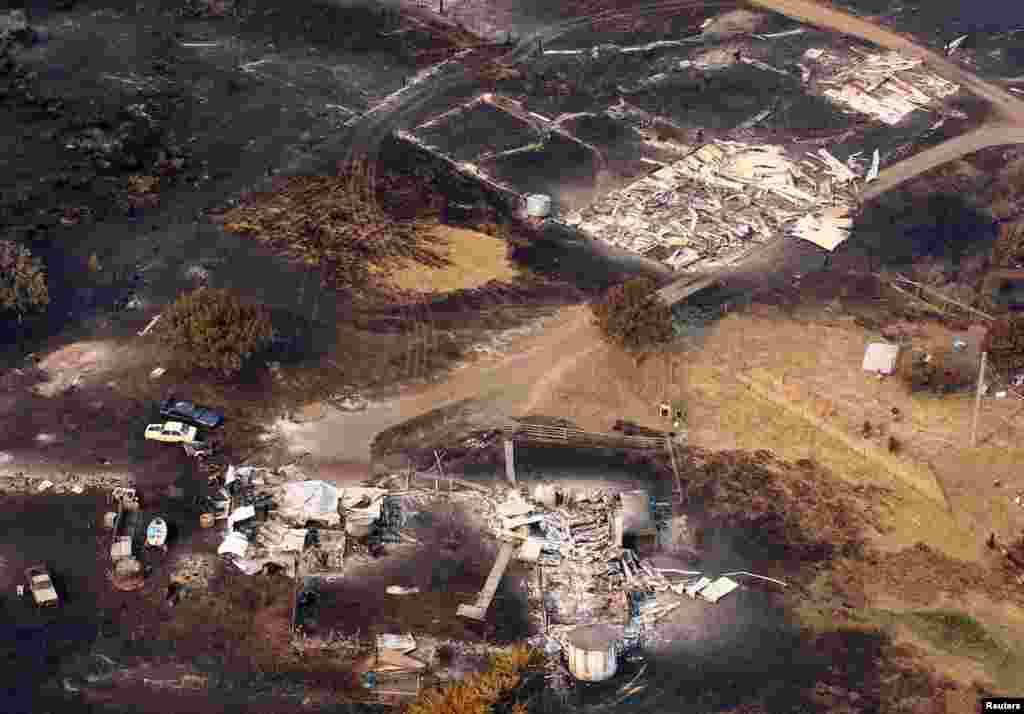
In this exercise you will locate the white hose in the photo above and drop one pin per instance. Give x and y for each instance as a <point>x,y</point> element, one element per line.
<point>761,577</point>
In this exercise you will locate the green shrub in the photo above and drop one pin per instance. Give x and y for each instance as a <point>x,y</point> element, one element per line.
<point>215,329</point>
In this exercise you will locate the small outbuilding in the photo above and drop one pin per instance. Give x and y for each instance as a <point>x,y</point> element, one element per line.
<point>881,357</point>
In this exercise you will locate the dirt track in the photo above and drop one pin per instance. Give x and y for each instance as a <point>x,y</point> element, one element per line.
<point>502,386</point>
<point>945,152</point>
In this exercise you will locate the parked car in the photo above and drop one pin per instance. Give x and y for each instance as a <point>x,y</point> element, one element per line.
<point>172,432</point>
<point>41,586</point>
<point>173,408</point>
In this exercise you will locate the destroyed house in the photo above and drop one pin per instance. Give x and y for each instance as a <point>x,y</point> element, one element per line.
<point>722,198</point>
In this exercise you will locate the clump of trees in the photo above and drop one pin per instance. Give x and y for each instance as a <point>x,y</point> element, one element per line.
<point>943,373</point>
<point>1006,344</point>
<point>216,329</point>
<point>632,316</point>
<point>23,288</point>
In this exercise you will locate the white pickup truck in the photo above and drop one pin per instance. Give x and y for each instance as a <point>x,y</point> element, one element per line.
<point>41,586</point>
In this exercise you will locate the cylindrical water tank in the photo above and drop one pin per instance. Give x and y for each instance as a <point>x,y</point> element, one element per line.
<point>538,205</point>
<point>592,652</point>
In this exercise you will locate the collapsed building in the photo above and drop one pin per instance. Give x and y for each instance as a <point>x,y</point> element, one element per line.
<point>723,197</point>
<point>281,524</point>
<point>593,573</point>
<point>886,86</point>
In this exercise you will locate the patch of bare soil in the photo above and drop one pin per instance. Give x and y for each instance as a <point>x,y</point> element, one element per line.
<point>470,260</point>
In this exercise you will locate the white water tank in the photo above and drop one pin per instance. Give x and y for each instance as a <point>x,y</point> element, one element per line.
<point>592,651</point>
<point>538,205</point>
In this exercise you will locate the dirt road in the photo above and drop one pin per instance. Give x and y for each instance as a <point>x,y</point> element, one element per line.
<point>947,151</point>
<point>500,387</point>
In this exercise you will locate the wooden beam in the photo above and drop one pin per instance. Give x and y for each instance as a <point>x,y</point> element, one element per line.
<point>684,288</point>
<point>478,610</point>
<point>510,460</point>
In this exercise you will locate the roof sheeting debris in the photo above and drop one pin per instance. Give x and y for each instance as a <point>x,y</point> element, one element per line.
<point>827,229</point>
<point>310,501</point>
<point>234,544</point>
<point>718,589</point>
<point>243,513</point>
<point>886,86</point>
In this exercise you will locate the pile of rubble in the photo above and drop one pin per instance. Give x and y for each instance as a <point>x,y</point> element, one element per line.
<point>888,87</point>
<point>279,519</point>
<point>724,197</point>
<point>589,577</point>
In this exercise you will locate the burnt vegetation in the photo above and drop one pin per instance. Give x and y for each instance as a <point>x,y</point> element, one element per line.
<point>789,513</point>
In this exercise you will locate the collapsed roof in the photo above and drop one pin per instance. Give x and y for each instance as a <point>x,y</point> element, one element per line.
<point>722,197</point>
<point>309,501</point>
<point>886,86</point>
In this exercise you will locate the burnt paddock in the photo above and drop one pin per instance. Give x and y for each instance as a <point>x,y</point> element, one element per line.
<point>449,564</point>
<point>66,533</point>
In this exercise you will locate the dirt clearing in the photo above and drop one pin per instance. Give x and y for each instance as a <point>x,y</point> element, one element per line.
<point>472,259</point>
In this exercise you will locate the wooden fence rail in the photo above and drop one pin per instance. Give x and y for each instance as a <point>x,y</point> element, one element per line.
<point>930,296</point>
<point>541,433</point>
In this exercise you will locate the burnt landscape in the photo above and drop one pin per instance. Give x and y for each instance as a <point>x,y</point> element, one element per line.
<point>479,355</point>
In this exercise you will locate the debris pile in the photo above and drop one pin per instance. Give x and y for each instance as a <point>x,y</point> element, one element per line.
<point>724,197</point>
<point>276,522</point>
<point>581,529</point>
<point>392,672</point>
<point>886,86</point>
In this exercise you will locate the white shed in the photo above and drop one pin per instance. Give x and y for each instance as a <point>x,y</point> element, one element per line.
<point>880,357</point>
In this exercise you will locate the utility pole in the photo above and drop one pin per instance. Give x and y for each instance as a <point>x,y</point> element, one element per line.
<point>977,399</point>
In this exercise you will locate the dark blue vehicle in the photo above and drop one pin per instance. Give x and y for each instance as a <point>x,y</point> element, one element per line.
<point>174,408</point>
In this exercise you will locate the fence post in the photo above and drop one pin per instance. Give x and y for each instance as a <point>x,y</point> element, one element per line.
<point>977,399</point>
